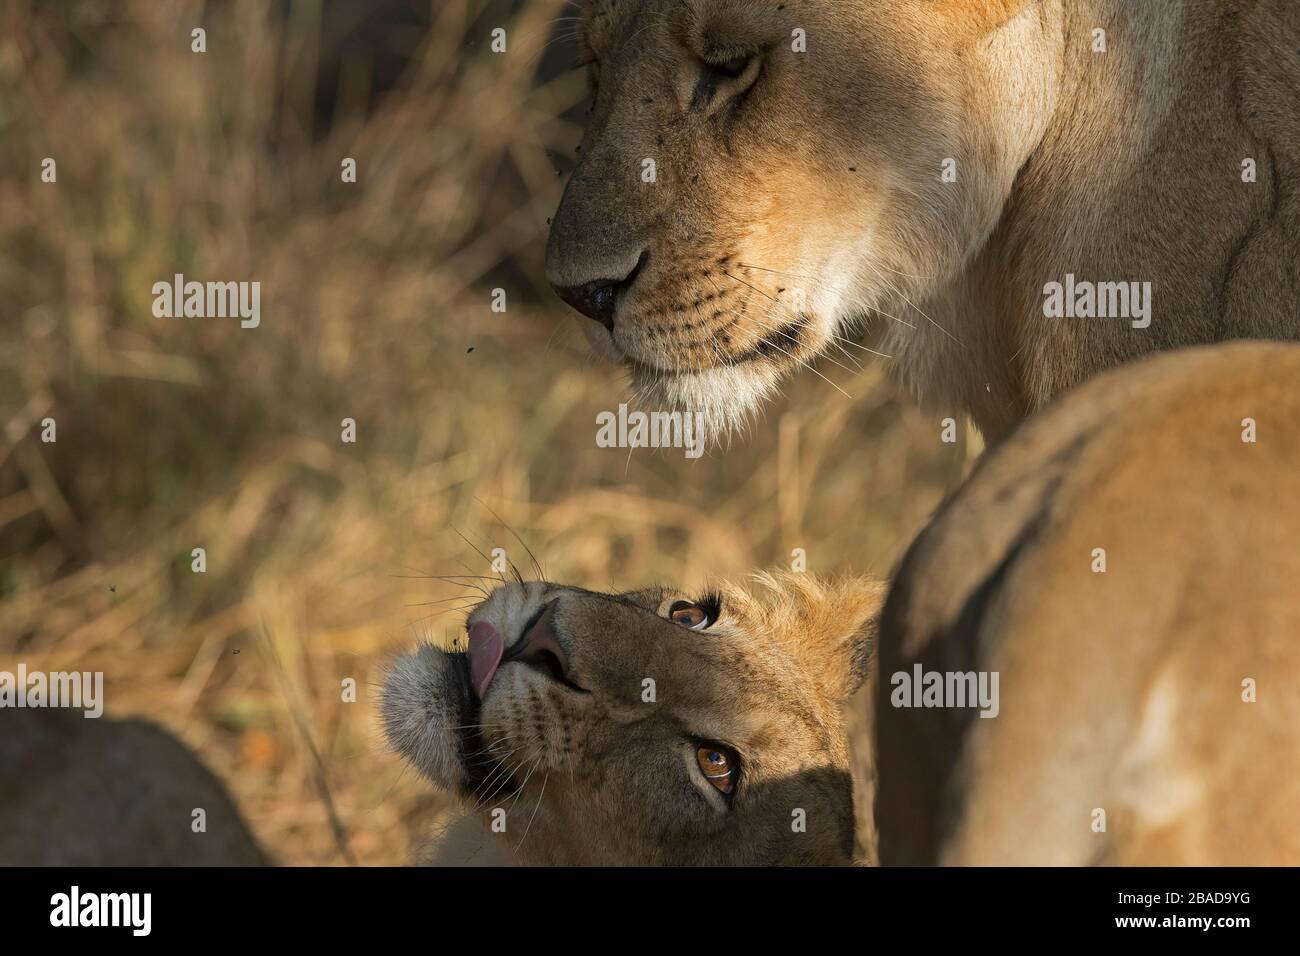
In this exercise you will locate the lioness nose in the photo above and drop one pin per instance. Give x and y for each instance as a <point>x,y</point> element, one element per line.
<point>598,300</point>
<point>595,300</point>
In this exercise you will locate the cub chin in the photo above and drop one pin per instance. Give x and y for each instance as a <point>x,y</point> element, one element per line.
<point>653,727</point>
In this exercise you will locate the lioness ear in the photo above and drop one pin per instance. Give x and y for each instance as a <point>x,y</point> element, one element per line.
<point>980,16</point>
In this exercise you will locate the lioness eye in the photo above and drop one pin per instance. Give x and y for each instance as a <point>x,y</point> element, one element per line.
<point>728,65</point>
<point>718,764</point>
<point>689,615</point>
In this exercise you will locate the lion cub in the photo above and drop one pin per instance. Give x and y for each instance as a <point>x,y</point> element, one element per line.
<point>653,727</point>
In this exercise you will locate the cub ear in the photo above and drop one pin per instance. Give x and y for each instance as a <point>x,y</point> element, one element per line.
<point>860,648</point>
<point>979,17</point>
<point>857,604</point>
<point>829,625</point>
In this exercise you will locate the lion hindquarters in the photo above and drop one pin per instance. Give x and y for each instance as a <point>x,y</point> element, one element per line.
<point>1140,615</point>
<point>1212,775</point>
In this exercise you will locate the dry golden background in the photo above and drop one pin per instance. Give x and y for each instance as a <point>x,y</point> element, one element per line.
<point>183,433</point>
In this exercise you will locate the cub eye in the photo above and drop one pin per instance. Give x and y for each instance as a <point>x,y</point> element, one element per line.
<point>719,766</point>
<point>689,615</point>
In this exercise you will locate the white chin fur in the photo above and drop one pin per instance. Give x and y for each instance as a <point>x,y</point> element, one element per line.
<point>727,395</point>
<point>422,709</point>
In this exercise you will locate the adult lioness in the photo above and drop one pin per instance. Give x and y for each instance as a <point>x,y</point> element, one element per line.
<point>645,728</point>
<point>1128,564</point>
<point>757,177</point>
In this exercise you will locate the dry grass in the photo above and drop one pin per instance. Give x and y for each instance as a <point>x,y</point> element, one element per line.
<point>183,433</point>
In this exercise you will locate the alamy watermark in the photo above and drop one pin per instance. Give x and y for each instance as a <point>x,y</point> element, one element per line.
<point>651,430</point>
<point>1082,299</point>
<point>946,689</point>
<point>208,300</point>
<point>75,690</point>
<point>130,910</point>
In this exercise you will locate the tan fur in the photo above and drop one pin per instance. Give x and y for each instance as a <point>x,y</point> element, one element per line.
<point>819,175</point>
<point>1120,691</point>
<point>105,792</point>
<point>607,777</point>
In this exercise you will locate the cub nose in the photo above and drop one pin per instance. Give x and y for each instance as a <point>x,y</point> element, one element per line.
<point>598,300</point>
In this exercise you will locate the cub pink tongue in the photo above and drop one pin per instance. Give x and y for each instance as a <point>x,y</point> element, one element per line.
<point>486,645</point>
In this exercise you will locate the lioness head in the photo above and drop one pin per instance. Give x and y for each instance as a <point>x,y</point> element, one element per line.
<point>652,727</point>
<point>757,177</point>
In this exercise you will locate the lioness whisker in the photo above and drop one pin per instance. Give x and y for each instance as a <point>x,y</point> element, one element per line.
<point>801,362</point>
<point>894,290</point>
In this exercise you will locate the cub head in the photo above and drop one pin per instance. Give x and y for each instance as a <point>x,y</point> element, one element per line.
<point>757,177</point>
<point>652,727</point>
